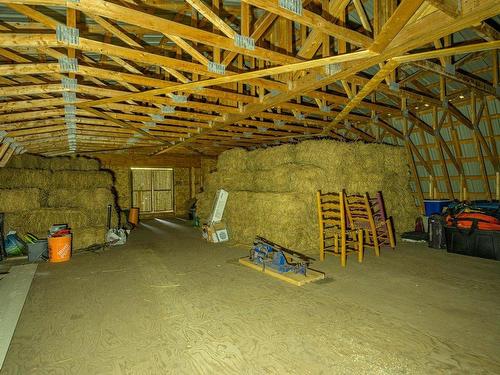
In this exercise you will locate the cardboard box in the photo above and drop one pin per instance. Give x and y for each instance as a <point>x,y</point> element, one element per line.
<point>216,232</point>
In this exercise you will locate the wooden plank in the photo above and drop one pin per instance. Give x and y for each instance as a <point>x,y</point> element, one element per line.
<point>314,21</point>
<point>115,30</point>
<point>289,277</point>
<point>14,288</point>
<point>314,39</point>
<point>459,77</point>
<point>161,25</point>
<point>396,22</point>
<point>366,90</point>
<point>238,77</point>
<point>201,7</point>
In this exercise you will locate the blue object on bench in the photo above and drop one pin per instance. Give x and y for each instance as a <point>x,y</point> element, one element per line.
<point>268,254</point>
<point>435,206</point>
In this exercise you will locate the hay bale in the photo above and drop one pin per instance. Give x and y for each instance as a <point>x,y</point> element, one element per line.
<point>85,237</point>
<point>74,164</point>
<point>11,178</point>
<point>121,178</point>
<point>274,195</point>
<point>269,158</point>
<point>81,179</point>
<point>237,180</point>
<point>60,163</point>
<point>73,198</point>
<point>19,200</point>
<point>232,160</point>
<point>29,161</point>
<point>39,221</point>
<point>284,218</point>
<point>45,179</point>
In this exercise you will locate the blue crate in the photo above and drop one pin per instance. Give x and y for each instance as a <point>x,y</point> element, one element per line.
<point>435,206</point>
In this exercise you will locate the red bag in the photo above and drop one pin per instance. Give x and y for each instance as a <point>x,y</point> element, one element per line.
<point>468,220</point>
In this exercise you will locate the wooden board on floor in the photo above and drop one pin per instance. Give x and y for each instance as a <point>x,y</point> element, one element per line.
<point>293,278</point>
<point>14,288</point>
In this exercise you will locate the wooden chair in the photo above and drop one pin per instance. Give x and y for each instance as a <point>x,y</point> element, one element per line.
<point>332,228</point>
<point>369,215</point>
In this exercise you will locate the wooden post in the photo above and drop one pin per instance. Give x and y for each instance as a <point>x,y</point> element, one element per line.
<point>192,181</point>
<point>461,188</point>
<point>431,186</point>
<point>497,194</point>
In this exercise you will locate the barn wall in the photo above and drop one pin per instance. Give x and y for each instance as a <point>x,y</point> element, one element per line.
<point>187,176</point>
<point>272,191</point>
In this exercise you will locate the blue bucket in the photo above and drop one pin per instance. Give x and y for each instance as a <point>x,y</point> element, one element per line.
<point>435,206</point>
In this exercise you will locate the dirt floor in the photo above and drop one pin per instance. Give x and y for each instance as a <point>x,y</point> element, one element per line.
<point>169,303</point>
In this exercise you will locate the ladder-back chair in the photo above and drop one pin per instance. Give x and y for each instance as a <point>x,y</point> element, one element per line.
<point>369,215</point>
<point>333,230</point>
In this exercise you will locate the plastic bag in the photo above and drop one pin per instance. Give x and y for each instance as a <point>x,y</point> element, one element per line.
<point>116,237</point>
<point>14,245</point>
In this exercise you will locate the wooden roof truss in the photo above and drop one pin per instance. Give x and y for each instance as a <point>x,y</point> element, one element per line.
<point>200,77</point>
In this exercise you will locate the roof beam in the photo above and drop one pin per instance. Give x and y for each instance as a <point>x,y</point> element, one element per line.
<point>206,12</point>
<point>457,76</point>
<point>314,21</point>
<point>395,24</point>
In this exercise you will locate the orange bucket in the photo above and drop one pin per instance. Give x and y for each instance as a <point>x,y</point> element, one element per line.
<point>59,249</point>
<point>133,216</point>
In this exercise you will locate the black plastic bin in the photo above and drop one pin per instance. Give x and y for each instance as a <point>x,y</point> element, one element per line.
<point>473,242</point>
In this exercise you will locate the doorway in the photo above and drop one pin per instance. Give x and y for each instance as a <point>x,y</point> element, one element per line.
<point>152,189</point>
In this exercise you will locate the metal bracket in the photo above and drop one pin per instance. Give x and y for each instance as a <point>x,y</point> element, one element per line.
<point>245,42</point>
<point>167,109</point>
<point>299,116</point>
<point>179,98</point>
<point>332,69</point>
<point>69,83</point>
<point>450,69</point>
<point>69,109</point>
<point>157,118</point>
<point>261,129</point>
<point>69,117</point>
<point>279,123</point>
<point>325,108</point>
<point>294,6</point>
<point>67,35</point>
<point>69,97</point>
<point>216,68</point>
<point>67,65</point>
<point>394,86</point>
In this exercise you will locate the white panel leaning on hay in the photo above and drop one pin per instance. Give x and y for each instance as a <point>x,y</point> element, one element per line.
<point>333,228</point>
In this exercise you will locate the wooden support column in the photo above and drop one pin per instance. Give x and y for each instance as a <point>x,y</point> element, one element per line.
<point>411,159</point>
<point>437,128</point>
<point>192,182</point>
<point>475,118</point>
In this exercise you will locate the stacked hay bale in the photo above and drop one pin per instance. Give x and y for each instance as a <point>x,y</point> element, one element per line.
<point>272,191</point>
<point>37,192</point>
